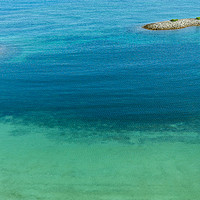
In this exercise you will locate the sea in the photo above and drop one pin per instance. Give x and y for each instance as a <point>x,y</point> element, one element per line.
<point>93,106</point>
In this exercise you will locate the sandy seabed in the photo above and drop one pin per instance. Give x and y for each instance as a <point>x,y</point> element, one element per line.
<point>35,167</point>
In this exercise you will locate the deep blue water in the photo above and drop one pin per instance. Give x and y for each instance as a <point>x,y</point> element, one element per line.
<point>91,60</point>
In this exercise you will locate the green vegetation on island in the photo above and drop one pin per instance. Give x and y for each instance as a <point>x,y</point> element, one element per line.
<point>174,20</point>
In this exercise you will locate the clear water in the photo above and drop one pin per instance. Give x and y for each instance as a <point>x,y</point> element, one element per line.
<point>92,106</point>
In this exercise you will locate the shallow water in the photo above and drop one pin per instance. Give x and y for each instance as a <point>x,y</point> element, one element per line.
<point>33,166</point>
<point>92,106</point>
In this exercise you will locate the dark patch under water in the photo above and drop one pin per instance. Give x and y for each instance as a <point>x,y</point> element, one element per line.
<point>104,130</point>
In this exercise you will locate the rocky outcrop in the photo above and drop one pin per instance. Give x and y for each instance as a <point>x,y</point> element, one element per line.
<point>170,25</point>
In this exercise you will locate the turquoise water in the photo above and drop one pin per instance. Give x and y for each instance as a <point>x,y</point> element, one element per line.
<point>92,106</point>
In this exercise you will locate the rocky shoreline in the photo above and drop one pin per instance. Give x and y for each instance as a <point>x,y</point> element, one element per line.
<point>171,25</point>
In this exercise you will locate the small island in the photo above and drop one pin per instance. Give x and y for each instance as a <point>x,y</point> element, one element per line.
<point>173,24</point>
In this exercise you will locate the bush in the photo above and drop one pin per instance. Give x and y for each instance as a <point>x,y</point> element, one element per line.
<point>198,18</point>
<point>174,20</point>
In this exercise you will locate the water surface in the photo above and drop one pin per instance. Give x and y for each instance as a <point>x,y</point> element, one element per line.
<point>92,106</point>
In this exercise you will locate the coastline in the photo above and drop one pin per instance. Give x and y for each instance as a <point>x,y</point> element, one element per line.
<point>171,25</point>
